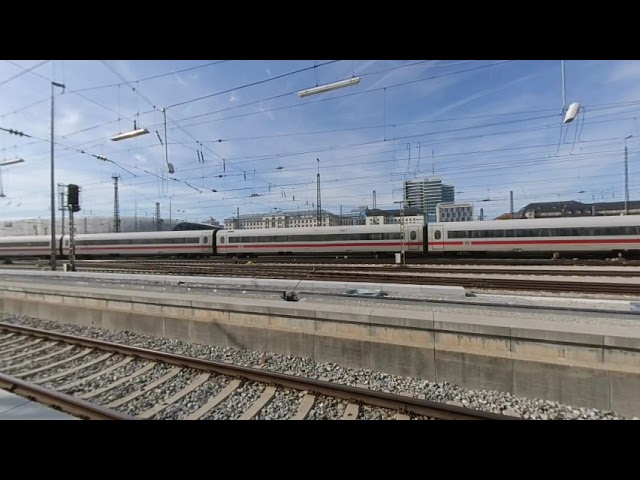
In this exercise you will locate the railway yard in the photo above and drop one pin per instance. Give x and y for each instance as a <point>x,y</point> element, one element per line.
<point>318,240</point>
<point>198,339</point>
<point>574,277</point>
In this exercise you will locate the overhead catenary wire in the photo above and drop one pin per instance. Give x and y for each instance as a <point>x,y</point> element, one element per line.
<point>259,171</point>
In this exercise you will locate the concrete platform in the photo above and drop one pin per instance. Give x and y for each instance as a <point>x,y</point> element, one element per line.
<point>447,294</point>
<point>592,364</point>
<point>14,407</point>
<point>437,291</point>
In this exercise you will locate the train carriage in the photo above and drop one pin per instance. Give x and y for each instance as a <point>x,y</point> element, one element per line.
<point>182,243</point>
<point>578,235</point>
<point>25,246</point>
<point>339,240</point>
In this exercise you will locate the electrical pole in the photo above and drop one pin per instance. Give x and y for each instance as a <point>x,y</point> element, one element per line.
<point>158,227</point>
<point>511,201</point>
<point>626,176</point>
<point>116,204</point>
<point>319,199</point>
<point>53,194</point>
<point>374,199</point>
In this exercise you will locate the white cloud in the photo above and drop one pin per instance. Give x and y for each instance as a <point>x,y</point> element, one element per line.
<point>626,71</point>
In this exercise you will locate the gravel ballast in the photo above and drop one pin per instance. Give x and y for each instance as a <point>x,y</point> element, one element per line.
<point>284,404</point>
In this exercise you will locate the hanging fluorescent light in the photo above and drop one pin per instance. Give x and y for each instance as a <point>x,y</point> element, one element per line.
<point>572,112</point>
<point>131,134</point>
<point>11,162</point>
<point>330,86</point>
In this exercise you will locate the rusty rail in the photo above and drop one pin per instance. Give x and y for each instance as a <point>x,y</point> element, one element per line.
<point>400,403</point>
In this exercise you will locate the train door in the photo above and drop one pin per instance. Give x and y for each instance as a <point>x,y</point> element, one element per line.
<point>64,246</point>
<point>212,249</point>
<point>436,238</point>
<point>206,244</point>
<point>414,242</point>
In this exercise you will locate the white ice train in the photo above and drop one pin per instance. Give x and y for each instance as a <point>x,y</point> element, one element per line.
<point>100,245</point>
<point>579,235</point>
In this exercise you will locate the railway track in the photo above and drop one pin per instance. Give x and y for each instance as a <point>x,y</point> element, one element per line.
<point>369,276</point>
<point>411,260</point>
<point>411,269</point>
<point>97,379</point>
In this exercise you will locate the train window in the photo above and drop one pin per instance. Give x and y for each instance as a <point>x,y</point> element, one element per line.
<point>437,235</point>
<point>413,235</point>
<point>205,240</point>
<point>221,239</point>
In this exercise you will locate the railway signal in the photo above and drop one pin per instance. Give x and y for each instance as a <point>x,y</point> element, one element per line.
<point>73,203</point>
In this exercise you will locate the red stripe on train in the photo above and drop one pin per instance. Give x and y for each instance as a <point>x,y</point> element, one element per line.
<point>538,242</point>
<point>321,245</point>
<point>127,247</point>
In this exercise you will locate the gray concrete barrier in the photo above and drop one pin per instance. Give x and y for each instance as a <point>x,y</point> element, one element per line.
<point>578,364</point>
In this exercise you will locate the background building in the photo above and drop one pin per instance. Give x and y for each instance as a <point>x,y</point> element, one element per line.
<point>454,212</point>
<point>412,216</point>
<point>425,194</point>
<point>83,224</point>
<point>572,208</point>
<point>90,224</point>
<point>359,216</point>
<point>307,218</point>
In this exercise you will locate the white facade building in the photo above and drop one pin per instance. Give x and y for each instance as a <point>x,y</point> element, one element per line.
<point>83,224</point>
<point>454,212</point>
<point>307,218</point>
<point>410,216</point>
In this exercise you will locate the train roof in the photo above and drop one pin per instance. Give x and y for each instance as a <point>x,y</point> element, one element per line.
<point>315,230</point>
<point>123,235</point>
<point>26,238</point>
<point>183,226</point>
<point>605,221</point>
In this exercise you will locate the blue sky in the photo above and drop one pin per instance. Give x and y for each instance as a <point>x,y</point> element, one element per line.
<point>485,126</point>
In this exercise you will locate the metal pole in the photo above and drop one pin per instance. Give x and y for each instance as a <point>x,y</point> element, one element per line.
<point>72,242</point>
<point>564,89</point>
<point>626,179</point>
<point>404,262</point>
<point>166,146</point>
<point>626,175</point>
<point>53,194</point>
<point>53,198</point>
<point>62,208</point>
<point>319,200</point>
